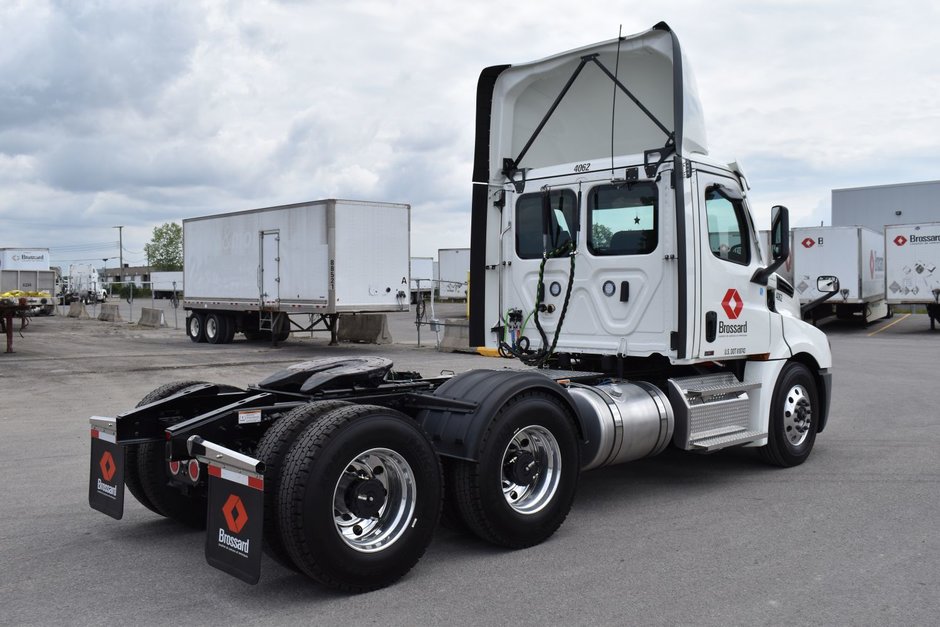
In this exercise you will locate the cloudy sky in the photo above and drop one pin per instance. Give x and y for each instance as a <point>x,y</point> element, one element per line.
<point>135,113</point>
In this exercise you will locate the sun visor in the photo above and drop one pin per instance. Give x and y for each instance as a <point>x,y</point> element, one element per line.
<point>580,85</point>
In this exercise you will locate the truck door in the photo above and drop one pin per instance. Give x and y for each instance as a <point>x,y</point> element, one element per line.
<point>732,315</point>
<point>269,276</point>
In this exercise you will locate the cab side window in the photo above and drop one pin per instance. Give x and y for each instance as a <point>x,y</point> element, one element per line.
<point>727,226</point>
<point>623,219</point>
<point>562,217</point>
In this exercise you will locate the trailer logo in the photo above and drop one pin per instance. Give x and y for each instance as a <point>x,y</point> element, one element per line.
<point>107,465</point>
<point>732,304</point>
<point>808,242</point>
<point>235,514</point>
<point>900,240</point>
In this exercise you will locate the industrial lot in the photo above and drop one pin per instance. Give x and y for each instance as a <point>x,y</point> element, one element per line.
<point>681,538</point>
<point>626,390</point>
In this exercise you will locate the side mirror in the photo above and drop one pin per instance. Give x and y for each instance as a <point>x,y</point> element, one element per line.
<point>827,284</point>
<point>779,243</point>
<point>779,232</point>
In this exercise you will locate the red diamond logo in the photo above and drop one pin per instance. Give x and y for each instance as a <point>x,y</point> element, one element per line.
<point>235,514</point>
<point>900,240</point>
<point>808,242</point>
<point>732,304</point>
<point>107,465</point>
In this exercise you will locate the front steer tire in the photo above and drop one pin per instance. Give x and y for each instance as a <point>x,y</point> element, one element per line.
<point>794,417</point>
<point>348,461</point>
<point>502,502</point>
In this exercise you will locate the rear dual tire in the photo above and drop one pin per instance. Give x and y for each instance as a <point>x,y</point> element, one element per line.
<point>359,498</point>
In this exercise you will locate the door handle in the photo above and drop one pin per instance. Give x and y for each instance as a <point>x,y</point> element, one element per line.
<point>624,291</point>
<point>711,326</point>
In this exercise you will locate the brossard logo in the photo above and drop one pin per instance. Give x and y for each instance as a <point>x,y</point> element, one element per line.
<point>108,468</point>
<point>733,306</point>
<point>900,240</point>
<point>235,519</point>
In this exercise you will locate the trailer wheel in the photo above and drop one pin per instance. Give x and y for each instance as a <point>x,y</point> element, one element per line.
<point>272,450</point>
<point>360,497</point>
<point>521,489</point>
<point>131,471</point>
<point>216,327</point>
<point>229,328</point>
<point>196,327</point>
<point>793,418</point>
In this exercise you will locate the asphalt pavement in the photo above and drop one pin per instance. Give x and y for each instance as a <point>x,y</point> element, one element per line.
<point>849,538</point>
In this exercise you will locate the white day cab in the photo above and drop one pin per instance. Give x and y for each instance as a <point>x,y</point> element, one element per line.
<point>629,280</point>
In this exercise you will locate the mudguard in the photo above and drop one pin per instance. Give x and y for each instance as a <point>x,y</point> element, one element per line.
<point>459,434</point>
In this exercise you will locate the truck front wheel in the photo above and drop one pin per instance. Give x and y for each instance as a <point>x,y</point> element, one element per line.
<point>360,497</point>
<point>522,488</point>
<point>793,417</point>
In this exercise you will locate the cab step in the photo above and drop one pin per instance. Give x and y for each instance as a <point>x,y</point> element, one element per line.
<point>712,411</point>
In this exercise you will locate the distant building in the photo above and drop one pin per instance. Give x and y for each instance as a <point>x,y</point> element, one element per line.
<point>136,274</point>
<point>879,205</point>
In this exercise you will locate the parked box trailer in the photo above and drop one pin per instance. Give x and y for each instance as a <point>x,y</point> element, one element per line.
<point>24,258</point>
<point>165,284</point>
<point>36,286</point>
<point>422,277</point>
<point>453,269</point>
<point>912,256</point>
<point>853,254</point>
<point>248,271</point>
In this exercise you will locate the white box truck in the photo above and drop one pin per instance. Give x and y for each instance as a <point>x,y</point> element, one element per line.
<point>453,271</point>
<point>912,256</point>
<point>422,278</point>
<point>250,271</point>
<point>853,254</point>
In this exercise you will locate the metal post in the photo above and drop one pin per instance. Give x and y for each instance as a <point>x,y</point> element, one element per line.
<point>121,249</point>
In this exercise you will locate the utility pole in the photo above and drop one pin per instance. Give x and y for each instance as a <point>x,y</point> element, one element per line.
<point>121,248</point>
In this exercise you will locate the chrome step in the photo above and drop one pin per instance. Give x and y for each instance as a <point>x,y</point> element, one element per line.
<point>710,409</point>
<point>716,442</point>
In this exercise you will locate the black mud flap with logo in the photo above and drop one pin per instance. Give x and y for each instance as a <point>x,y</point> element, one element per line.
<point>234,520</point>
<point>106,477</point>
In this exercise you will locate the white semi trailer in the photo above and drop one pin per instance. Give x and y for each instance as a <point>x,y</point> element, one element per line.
<point>912,256</point>
<point>422,278</point>
<point>453,268</point>
<point>653,321</point>
<point>272,271</point>
<point>853,254</point>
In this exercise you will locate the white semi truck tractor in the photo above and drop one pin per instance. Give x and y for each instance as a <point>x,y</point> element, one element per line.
<point>625,274</point>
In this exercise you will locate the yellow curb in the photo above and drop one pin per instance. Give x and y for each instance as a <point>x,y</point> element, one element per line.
<point>488,352</point>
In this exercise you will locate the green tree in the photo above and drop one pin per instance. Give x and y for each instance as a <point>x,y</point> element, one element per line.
<point>165,250</point>
<point>600,236</point>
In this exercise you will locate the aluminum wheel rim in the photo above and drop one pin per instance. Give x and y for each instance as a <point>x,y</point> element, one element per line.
<point>797,415</point>
<point>533,497</point>
<point>371,534</point>
<point>212,327</point>
<point>195,327</point>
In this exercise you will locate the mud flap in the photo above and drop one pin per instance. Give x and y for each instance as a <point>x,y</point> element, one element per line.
<point>236,510</point>
<point>106,477</point>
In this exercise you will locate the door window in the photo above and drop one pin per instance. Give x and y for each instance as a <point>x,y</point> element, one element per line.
<point>727,226</point>
<point>622,219</point>
<point>563,222</point>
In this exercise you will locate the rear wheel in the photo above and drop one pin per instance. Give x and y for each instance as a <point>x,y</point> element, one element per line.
<point>272,450</point>
<point>195,327</point>
<point>216,327</point>
<point>522,488</point>
<point>229,328</point>
<point>359,498</point>
<point>131,470</point>
<point>793,417</point>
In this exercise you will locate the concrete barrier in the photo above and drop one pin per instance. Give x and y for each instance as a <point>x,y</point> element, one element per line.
<point>367,328</point>
<point>77,310</point>
<point>151,318</point>
<point>456,336</point>
<point>110,313</point>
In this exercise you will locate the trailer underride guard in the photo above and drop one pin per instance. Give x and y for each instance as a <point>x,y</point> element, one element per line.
<point>617,260</point>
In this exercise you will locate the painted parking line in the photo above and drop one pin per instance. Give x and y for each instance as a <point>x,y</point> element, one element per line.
<point>889,325</point>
